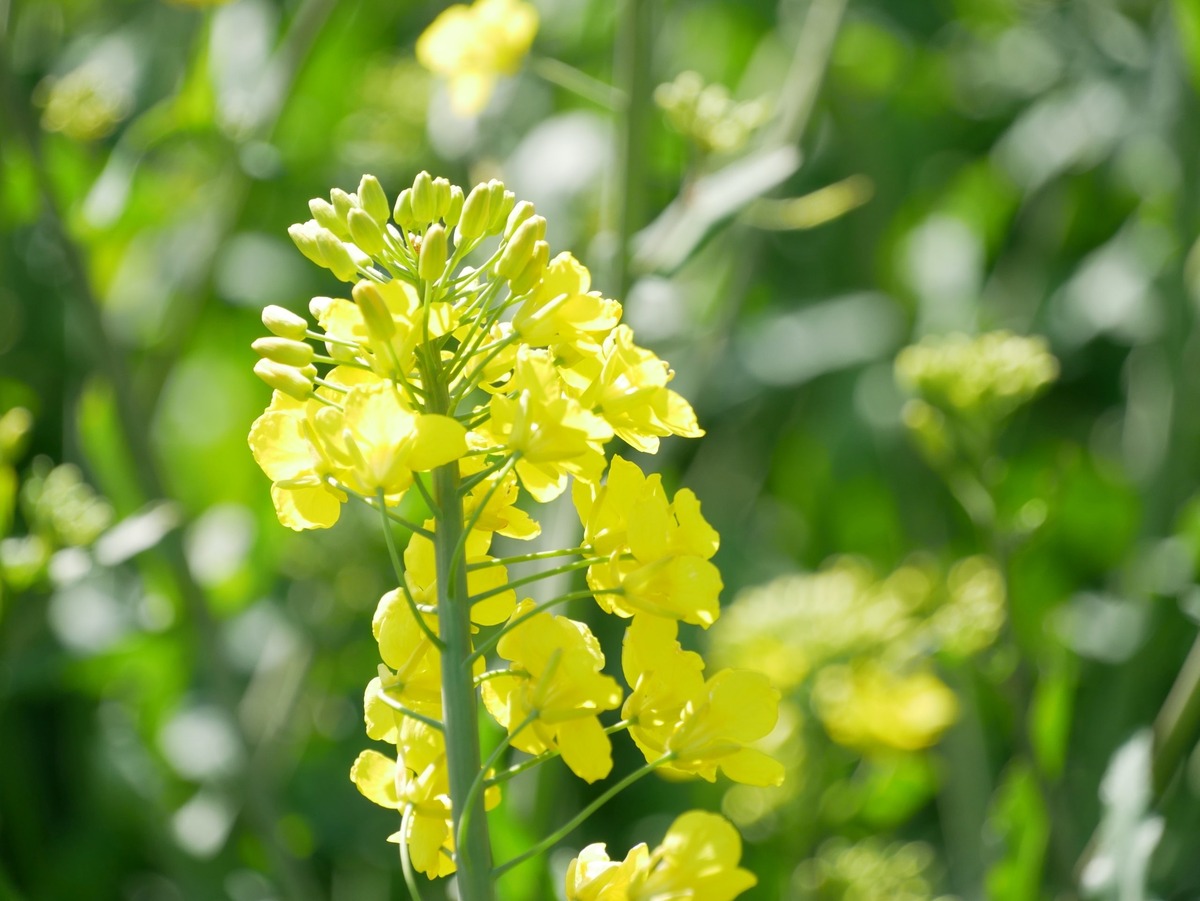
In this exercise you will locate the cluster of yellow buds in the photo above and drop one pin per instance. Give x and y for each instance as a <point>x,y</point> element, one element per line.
<point>869,870</point>
<point>985,377</point>
<point>474,385</point>
<point>707,116</point>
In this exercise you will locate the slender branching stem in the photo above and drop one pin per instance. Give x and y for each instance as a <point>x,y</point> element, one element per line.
<point>567,828</point>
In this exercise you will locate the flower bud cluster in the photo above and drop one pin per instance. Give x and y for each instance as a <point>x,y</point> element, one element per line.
<point>984,378</point>
<point>707,116</point>
<point>514,374</point>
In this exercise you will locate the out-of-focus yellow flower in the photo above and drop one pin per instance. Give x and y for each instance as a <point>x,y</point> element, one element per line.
<point>656,553</point>
<point>796,624</point>
<point>988,376</point>
<point>83,105</point>
<point>869,870</point>
<point>556,678</point>
<point>706,725</point>
<point>472,46</point>
<point>698,859</point>
<point>864,706</point>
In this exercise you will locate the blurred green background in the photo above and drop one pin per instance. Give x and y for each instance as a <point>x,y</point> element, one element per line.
<point>984,649</point>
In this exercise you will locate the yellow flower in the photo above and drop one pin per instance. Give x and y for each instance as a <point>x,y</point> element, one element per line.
<point>561,311</point>
<point>866,707</point>
<point>417,778</point>
<point>383,440</point>
<point>627,385</point>
<point>279,439</point>
<point>500,513</point>
<point>706,725</point>
<point>698,859</point>
<point>554,436</point>
<point>473,45</point>
<point>420,573</point>
<point>412,673</point>
<point>656,552</point>
<point>556,677</point>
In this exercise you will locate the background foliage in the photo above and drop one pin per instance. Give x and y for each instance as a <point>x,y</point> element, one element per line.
<point>180,678</point>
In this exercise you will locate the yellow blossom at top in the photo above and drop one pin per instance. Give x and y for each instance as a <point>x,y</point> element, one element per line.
<point>472,46</point>
<point>698,859</point>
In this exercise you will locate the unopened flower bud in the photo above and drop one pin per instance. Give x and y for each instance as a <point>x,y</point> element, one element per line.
<point>403,211</point>
<point>374,309</point>
<point>284,323</point>
<point>318,305</point>
<point>454,207</point>
<point>327,217</point>
<point>284,350</point>
<point>476,213</point>
<point>441,191</point>
<point>502,203</point>
<point>343,203</point>
<point>288,379</point>
<point>337,256</point>
<point>366,232</point>
<point>372,198</point>
<point>424,198</point>
<point>519,214</point>
<point>534,270</point>
<point>432,261</point>
<point>304,236</point>
<point>519,249</point>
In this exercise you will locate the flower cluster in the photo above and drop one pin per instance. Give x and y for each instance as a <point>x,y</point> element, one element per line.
<point>985,377</point>
<point>858,651</point>
<point>468,367</point>
<point>870,870</point>
<point>706,114</point>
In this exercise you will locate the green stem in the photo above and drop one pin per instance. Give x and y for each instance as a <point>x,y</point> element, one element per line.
<point>568,77</point>
<point>460,709</point>
<point>529,558</point>
<point>529,764</point>
<point>477,787</point>
<point>411,714</point>
<point>525,580</point>
<point>410,878</point>
<point>566,829</point>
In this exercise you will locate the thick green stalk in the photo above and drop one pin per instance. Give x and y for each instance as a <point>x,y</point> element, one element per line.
<point>459,709</point>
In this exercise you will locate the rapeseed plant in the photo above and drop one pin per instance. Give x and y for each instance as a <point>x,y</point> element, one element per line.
<point>471,385</point>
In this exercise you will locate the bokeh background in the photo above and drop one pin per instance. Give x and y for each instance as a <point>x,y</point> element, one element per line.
<point>980,614</point>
